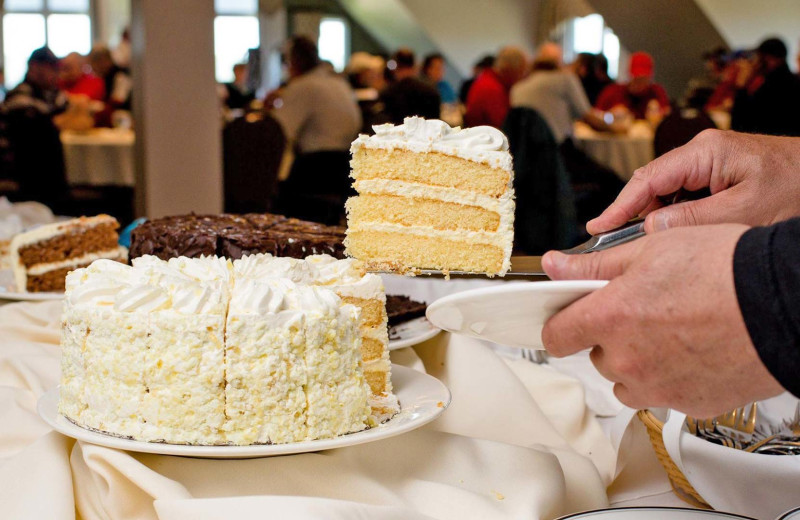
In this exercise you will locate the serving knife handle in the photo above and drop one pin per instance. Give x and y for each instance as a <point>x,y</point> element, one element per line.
<point>630,231</point>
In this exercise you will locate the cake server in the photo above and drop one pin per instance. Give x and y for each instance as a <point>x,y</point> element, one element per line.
<point>526,267</point>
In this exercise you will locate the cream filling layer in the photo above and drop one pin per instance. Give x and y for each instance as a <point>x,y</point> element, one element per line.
<point>503,240</point>
<point>21,273</point>
<point>503,206</point>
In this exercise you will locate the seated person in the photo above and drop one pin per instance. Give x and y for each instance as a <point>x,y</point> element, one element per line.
<point>39,90</point>
<point>238,93</point>
<point>636,95</point>
<point>318,113</point>
<point>488,98</point>
<point>433,70</point>
<point>73,79</point>
<point>408,95</point>
<point>118,84</point>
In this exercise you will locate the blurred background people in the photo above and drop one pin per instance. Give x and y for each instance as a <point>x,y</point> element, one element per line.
<point>408,95</point>
<point>39,90</point>
<point>117,81</point>
<point>319,116</point>
<point>75,78</point>
<point>768,94</point>
<point>592,70</point>
<point>640,96</point>
<point>434,70</point>
<point>237,93</point>
<point>365,74</point>
<point>488,100</point>
<point>484,63</point>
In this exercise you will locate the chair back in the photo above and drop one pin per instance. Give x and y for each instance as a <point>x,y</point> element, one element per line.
<point>679,128</point>
<point>545,205</point>
<point>252,150</point>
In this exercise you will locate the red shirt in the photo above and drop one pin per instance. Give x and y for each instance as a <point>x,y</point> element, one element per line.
<point>616,94</point>
<point>88,85</point>
<point>487,101</point>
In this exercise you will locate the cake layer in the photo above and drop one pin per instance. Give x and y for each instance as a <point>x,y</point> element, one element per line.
<point>50,277</point>
<point>373,312</point>
<point>408,211</point>
<point>408,248</point>
<point>434,168</point>
<point>69,242</point>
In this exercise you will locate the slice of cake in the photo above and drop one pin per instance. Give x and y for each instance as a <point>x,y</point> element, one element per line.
<point>432,197</point>
<point>42,257</point>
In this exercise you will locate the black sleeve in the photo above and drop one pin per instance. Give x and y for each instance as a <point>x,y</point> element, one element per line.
<point>766,272</point>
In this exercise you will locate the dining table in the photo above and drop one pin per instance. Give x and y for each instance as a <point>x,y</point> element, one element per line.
<point>622,152</point>
<point>520,439</point>
<point>99,157</point>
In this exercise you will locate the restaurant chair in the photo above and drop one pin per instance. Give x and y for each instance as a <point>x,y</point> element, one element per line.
<point>679,128</point>
<point>252,150</point>
<point>545,205</point>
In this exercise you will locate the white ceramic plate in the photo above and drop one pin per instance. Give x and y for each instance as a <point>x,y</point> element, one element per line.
<point>654,513</point>
<point>422,399</point>
<point>793,514</point>
<point>509,314</point>
<point>412,332</point>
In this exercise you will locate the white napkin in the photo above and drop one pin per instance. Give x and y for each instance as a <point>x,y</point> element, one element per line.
<point>752,484</point>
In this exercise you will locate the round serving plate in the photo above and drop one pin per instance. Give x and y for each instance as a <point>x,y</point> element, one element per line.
<point>412,332</point>
<point>510,314</point>
<point>792,514</point>
<point>422,399</point>
<point>8,290</point>
<point>653,513</point>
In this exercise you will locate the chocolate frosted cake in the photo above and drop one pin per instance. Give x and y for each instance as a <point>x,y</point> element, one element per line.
<point>234,236</point>
<point>400,309</point>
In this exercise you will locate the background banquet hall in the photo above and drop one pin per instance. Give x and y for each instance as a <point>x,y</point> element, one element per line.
<point>142,109</point>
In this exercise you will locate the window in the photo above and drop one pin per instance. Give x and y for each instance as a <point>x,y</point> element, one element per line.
<point>63,25</point>
<point>590,34</point>
<point>236,31</point>
<point>333,42</point>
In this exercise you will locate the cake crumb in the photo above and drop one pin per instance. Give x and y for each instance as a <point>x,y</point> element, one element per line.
<point>461,481</point>
<point>440,404</point>
<point>498,495</point>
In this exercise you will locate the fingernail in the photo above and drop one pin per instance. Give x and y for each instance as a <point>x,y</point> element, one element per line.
<point>660,221</point>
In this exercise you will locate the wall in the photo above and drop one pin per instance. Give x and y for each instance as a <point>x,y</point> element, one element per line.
<point>744,23</point>
<point>462,30</point>
<point>674,32</point>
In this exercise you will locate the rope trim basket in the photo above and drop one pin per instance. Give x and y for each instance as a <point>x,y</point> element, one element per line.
<point>680,485</point>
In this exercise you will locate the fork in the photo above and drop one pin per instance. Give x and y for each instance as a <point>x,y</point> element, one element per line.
<point>534,356</point>
<point>739,424</point>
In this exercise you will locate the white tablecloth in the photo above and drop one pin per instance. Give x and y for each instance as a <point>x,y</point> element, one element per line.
<point>102,156</point>
<point>518,441</point>
<point>621,153</point>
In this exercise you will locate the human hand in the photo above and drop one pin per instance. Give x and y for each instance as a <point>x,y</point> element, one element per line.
<point>667,329</point>
<point>754,180</point>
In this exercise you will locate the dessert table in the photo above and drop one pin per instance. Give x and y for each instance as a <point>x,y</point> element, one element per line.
<point>518,441</point>
<point>101,156</point>
<point>622,153</point>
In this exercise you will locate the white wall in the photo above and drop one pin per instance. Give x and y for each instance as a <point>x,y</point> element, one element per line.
<point>462,30</point>
<point>466,30</point>
<point>744,23</point>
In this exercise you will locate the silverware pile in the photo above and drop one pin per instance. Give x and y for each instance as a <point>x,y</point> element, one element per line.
<point>740,430</point>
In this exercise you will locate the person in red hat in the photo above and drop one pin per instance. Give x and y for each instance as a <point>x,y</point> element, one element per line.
<point>640,96</point>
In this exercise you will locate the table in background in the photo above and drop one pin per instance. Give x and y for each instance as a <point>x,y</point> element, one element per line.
<point>622,153</point>
<point>99,157</point>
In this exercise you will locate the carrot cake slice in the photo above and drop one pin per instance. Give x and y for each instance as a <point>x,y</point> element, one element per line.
<point>432,197</point>
<point>42,257</point>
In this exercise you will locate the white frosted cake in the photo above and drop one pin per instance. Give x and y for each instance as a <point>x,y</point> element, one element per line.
<point>432,197</point>
<point>188,352</point>
<point>348,279</point>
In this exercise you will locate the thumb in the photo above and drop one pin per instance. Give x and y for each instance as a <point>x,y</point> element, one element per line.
<point>601,265</point>
<point>715,209</point>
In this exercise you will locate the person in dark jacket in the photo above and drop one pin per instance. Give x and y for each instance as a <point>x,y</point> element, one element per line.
<point>703,314</point>
<point>768,99</point>
<point>408,95</point>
